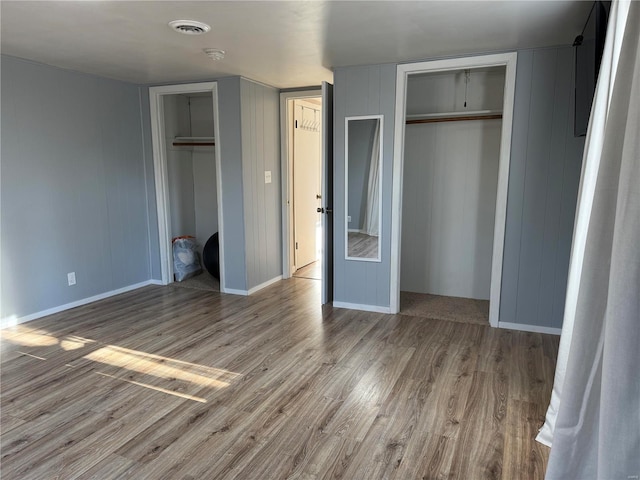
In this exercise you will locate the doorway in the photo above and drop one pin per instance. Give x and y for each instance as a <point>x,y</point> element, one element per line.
<point>184,127</point>
<point>306,186</point>
<point>303,131</point>
<point>322,269</point>
<point>450,182</point>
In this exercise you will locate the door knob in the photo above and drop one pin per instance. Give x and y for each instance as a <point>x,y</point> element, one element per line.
<point>329,210</point>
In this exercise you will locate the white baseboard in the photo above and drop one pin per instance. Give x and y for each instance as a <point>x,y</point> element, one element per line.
<point>251,291</point>
<point>265,284</point>
<point>13,320</point>
<point>363,307</point>
<point>530,328</point>
<point>153,281</point>
<point>233,291</point>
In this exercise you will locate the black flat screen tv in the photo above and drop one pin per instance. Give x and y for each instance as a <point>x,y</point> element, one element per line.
<point>588,55</point>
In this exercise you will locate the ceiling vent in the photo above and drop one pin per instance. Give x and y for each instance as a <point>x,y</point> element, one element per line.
<point>189,27</point>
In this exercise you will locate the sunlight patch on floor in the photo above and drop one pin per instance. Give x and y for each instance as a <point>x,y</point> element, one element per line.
<point>162,367</point>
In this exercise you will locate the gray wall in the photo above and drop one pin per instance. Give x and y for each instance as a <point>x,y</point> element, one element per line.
<point>205,195</point>
<point>546,160</point>
<point>74,194</point>
<point>448,207</point>
<point>180,179</point>
<point>368,90</point>
<point>543,181</point>
<point>262,208</point>
<point>230,145</point>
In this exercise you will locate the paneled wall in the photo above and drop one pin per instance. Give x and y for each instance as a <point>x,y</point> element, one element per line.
<point>366,90</point>
<point>74,195</point>
<point>177,123</point>
<point>546,160</point>
<point>230,145</point>
<point>205,198</point>
<point>448,207</point>
<point>543,183</point>
<point>262,209</point>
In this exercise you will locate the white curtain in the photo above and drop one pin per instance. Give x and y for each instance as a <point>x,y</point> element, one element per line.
<point>371,224</point>
<point>593,420</point>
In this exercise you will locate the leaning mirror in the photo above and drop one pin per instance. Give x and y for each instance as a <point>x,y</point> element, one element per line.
<point>363,171</point>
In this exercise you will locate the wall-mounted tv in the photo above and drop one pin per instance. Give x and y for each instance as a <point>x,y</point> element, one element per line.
<point>589,46</point>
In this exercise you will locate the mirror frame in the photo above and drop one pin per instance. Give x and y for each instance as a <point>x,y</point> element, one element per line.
<point>380,118</point>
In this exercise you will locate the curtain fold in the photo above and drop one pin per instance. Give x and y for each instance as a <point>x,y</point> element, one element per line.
<point>593,421</point>
<point>371,222</point>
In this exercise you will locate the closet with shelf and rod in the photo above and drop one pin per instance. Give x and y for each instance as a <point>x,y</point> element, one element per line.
<point>450,176</point>
<point>191,171</point>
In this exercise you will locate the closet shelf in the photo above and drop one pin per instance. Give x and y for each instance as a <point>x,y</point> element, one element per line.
<point>193,142</point>
<point>454,116</point>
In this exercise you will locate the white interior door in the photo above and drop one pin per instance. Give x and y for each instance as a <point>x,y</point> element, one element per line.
<point>327,193</point>
<point>306,182</point>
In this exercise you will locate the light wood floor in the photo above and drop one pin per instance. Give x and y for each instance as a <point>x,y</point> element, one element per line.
<point>175,383</point>
<point>312,271</point>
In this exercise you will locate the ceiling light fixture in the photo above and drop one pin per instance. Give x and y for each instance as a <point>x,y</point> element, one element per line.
<point>189,27</point>
<point>214,53</point>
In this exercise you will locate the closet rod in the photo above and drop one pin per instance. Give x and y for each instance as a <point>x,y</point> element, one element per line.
<point>193,144</point>
<point>454,119</point>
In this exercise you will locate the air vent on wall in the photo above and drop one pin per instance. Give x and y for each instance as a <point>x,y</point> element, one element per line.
<point>189,27</point>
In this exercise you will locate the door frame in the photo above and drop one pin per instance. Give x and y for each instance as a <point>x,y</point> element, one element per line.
<point>285,165</point>
<point>156,105</point>
<point>508,60</point>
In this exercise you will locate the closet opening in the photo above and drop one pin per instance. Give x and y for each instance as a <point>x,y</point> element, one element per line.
<point>453,132</point>
<point>188,187</point>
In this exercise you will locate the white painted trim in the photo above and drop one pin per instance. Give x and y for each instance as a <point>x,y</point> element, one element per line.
<point>508,60</point>
<point>288,268</point>
<point>530,328</point>
<point>160,171</point>
<point>253,290</point>
<point>233,291</point>
<point>346,190</point>
<point>363,307</point>
<point>153,281</point>
<point>500,221</point>
<point>12,321</point>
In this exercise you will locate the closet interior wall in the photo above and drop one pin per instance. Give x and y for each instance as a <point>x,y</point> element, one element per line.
<point>191,169</point>
<point>450,182</point>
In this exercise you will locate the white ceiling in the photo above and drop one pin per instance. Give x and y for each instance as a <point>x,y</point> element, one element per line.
<point>284,44</point>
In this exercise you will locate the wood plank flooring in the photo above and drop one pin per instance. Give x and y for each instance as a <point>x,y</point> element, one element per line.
<point>175,383</point>
<point>312,271</point>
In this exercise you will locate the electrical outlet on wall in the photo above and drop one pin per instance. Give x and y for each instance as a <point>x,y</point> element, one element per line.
<point>267,176</point>
<point>349,218</point>
<point>71,278</point>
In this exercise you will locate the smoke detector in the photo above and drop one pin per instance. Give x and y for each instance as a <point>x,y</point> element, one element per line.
<point>214,53</point>
<point>189,27</point>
